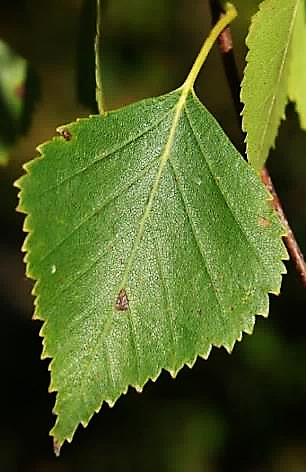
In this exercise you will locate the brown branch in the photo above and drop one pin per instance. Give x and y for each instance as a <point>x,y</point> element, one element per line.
<point>231,71</point>
<point>291,243</point>
<point>225,42</point>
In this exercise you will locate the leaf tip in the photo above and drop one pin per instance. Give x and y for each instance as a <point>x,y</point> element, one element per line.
<point>57,447</point>
<point>173,373</point>
<point>110,403</point>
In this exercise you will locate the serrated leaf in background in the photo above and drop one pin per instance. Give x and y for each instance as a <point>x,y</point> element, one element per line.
<point>151,240</point>
<point>297,76</point>
<point>265,83</point>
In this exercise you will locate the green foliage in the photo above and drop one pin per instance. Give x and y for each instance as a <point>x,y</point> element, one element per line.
<point>152,202</point>
<point>297,77</point>
<point>150,238</point>
<point>265,83</point>
<point>13,70</point>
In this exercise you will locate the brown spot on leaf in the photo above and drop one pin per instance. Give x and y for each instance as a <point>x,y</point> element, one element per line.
<point>264,222</point>
<point>20,91</point>
<point>65,134</point>
<point>122,303</point>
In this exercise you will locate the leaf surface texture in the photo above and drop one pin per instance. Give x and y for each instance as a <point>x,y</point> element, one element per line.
<point>151,240</point>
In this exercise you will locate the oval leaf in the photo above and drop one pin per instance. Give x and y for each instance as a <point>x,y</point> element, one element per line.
<point>151,240</point>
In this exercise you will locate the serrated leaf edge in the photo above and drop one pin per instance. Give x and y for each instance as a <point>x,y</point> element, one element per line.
<point>245,107</point>
<point>139,388</point>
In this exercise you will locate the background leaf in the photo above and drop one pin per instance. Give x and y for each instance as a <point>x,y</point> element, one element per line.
<point>18,93</point>
<point>151,240</point>
<point>12,79</point>
<point>265,83</point>
<point>297,77</point>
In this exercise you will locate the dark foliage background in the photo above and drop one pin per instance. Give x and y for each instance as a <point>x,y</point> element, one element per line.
<point>243,412</point>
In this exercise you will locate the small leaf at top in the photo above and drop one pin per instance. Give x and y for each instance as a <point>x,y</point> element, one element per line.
<point>297,76</point>
<point>151,240</point>
<point>265,83</point>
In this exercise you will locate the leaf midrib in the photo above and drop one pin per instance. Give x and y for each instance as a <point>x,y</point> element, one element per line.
<point>163,161</point>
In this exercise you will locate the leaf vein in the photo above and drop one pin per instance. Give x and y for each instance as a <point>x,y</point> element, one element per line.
<point>108,155</point>
<point>195,236</point>
<point>110,199</point>
<point>277,84</point>
<point>241,229</point>
<point>163,161</point>
<point>168,304</point>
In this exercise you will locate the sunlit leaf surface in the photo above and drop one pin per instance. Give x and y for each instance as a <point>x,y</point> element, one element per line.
<point>265,83</point>
<point>297,77</point>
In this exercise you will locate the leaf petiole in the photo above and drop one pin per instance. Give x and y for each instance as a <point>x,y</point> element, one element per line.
<point>229,15</point>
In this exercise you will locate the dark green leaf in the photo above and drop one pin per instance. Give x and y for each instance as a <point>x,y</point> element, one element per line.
<point>151,240</point>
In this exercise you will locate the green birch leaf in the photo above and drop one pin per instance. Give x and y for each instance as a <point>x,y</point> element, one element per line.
<point>297,76</point>
<point>151,240</point>
<point>265,83</point>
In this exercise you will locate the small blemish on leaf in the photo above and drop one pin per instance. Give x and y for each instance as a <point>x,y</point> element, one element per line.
<point>110,247</point>
<point>264,222</point>
<point>122,303</point>
<point>65,134</point>
<point>20,91</point>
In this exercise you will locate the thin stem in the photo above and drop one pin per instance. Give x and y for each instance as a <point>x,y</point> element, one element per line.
<point>99,89</point>
<point>229,15</point>
<point>225,42</point>
<point>231,71</point>
<point>291,243</point>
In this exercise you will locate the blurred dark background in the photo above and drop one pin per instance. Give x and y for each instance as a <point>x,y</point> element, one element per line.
<point>242,412</point>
